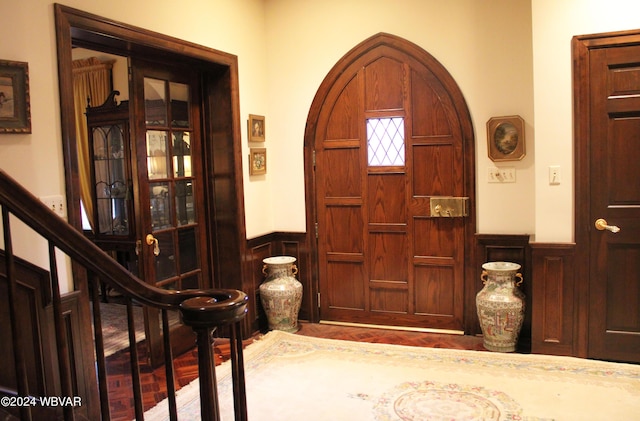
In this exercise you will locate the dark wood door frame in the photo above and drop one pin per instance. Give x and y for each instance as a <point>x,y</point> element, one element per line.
<point>581,47</point>
<point>221,127</point>
<point>413,50</point>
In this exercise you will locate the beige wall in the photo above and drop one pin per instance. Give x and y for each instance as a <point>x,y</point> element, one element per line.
<point>28,34</point>
<point>485,45</point>
<point>508,57</point>
<point>554,24</point>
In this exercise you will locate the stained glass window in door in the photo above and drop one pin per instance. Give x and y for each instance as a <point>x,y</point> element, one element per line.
<point>385,141</point>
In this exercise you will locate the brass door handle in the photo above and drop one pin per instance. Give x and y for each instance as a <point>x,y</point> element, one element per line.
<point>602,225</point>
<point>153,241</point>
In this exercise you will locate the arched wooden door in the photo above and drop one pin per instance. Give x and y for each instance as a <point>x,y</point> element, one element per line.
<point>389,133</point>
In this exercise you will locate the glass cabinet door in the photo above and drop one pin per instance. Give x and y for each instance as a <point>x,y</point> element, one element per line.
<point>112,193</point>
<point>109,145</point>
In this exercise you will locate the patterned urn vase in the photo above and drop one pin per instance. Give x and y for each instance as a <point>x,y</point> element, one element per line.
<point>500,306</point>
<point>281,293</point>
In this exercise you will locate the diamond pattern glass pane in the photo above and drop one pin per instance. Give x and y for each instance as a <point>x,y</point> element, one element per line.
<point>385,141</point>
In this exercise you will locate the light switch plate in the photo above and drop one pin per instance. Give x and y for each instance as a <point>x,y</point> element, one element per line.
<point>55,203</point>
<point>554,175</point>
<point>501,175</point>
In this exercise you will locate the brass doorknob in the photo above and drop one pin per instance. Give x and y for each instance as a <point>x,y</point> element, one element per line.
<point>602,225</point>
<point>153,241</point>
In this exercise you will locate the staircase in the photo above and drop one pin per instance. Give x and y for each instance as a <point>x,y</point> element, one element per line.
<point>49,352</point>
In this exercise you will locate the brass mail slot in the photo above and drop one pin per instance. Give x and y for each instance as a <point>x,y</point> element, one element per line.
<point>449,206</point>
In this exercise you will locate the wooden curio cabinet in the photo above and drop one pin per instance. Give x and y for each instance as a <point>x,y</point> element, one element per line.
<point>111,175</point>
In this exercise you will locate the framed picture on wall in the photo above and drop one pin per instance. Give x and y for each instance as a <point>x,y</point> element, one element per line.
<point>257,161</point>
<point>15,112</point>
<point>256,128</point>
<point>505,138</point>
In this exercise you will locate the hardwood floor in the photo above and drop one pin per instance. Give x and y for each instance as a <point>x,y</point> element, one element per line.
<point>186,365</point>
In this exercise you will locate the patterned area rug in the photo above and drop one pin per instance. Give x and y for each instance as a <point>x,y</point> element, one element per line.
<point>114,327</point>
<point>292,377</point>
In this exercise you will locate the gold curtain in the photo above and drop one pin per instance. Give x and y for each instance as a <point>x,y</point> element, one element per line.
<point>91,82</point>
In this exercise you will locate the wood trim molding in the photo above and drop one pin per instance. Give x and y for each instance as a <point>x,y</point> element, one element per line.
<point>555,308</point>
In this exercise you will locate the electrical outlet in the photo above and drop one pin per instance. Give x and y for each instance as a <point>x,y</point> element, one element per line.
<point>55,203</point>
<point>501,175</point>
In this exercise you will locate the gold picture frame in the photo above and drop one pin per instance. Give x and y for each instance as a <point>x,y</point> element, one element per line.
<point>256,128</point>
<point>505,138</point>
<point>15,108</point>
<point>257,161</point>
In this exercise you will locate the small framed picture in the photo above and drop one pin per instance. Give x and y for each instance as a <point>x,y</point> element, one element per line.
<point>256,128</point>
<point>15,111</point>
<point>257,161</point>
<point>505,138</point>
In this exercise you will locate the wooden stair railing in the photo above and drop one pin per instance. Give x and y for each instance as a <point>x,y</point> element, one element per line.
<point>203,310</point>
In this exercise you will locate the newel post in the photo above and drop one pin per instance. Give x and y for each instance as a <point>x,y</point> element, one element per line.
<point>204,315</point>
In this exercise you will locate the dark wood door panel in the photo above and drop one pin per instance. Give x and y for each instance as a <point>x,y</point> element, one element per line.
<point>436,291</point>
<point>615,306</point>
<point>387,136</point>
<point>426,100</point>
<point>427,323</point>
<point>387,198</point>
<point>345,286</point>
<point>388,297</point>
<point>388,259</point>
<point>384,83</point>
<point>434,171</point>
<point>614,286</point>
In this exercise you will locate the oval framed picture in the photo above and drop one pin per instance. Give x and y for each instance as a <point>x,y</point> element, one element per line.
<point>505,138</point>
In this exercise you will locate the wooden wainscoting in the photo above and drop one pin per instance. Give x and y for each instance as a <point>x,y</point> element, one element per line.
<point>258,248</point>
<point>504,248</point>
<point>35,320</point>
<point>547,269</point>
<point>554,293</point>
<point>33,295</point>
<point>280,244</point>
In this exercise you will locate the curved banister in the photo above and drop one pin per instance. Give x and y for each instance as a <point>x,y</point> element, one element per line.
<point>203,310</point>
<point>41,219</point>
